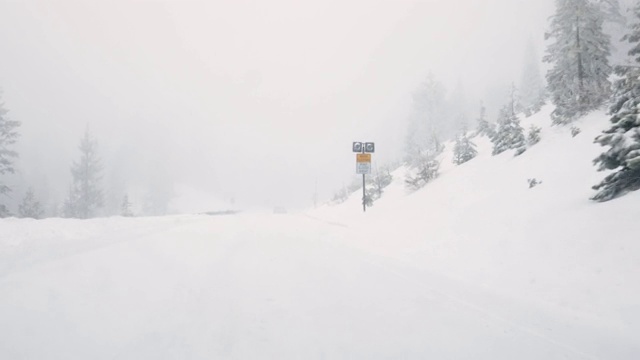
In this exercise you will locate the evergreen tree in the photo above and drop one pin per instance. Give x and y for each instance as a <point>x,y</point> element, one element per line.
<point>534,135</point>
<point>8,137</point>
<point>623,138</point>
<point>484,127</point>
<point>578,80</point>
<point>30,206</point>
<point>533,92</point>
<point>464,149</point>
<point>125,208</point>
<point>85,195</point>
<point>509,135</point>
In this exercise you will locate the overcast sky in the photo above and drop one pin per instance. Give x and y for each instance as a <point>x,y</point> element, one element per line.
<point>255,100</point>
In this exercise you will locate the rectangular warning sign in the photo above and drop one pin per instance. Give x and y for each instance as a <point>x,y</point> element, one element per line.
<point>363,158</point>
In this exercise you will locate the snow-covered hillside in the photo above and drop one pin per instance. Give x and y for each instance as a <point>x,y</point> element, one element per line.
<point>549,245</point>
<point>476,265</point>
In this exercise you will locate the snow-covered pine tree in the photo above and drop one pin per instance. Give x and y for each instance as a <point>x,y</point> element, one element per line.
<point>484,127</point>
<point>509,134</point>
<point>533,137</point>
<point>8,137</point>
<point>532,87</point>
<point>578,80</point>
<point>125,208</point>
<point>85,195</point>
<point>623,138</point>
<point>464,149</point>
<point>30,206</point>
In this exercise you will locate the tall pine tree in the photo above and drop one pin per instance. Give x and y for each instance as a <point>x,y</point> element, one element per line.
<point>578,80</point>
<point>623,138</point>
<point>85,195</point>
<point>8,137</point>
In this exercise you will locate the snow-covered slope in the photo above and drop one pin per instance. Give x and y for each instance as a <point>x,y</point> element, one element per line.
<point>549,246</point>
<point>474,266</point>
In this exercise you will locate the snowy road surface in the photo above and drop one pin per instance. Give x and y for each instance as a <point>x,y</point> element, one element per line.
<point>259,286</point>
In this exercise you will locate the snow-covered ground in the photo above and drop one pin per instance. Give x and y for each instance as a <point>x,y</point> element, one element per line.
<point>474,266</point>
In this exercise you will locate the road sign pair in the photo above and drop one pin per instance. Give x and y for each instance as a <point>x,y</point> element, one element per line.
<point>364,147</point>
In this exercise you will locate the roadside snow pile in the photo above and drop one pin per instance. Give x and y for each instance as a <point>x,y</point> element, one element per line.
<point>24,242</point>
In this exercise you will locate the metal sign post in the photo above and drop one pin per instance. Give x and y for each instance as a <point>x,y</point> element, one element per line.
<point>363,165</point>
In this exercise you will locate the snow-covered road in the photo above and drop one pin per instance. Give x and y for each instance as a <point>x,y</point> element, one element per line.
<point>260,286</point>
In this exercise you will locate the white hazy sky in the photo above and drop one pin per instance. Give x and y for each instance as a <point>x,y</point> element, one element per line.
<point>255,100</point>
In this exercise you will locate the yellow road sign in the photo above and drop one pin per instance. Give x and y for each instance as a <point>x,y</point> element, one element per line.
<point>366,158</point>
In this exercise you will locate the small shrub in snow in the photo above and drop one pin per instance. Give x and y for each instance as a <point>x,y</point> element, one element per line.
<point>533,182</point>
<point>368,199</point>
<point>423,170</point>
<point>575,131</point>
<point>376,184</point>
